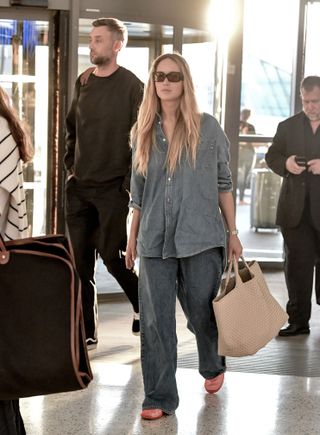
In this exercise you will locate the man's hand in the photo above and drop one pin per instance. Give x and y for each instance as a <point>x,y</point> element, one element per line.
<point>314,166</point>
<point>293,167</point>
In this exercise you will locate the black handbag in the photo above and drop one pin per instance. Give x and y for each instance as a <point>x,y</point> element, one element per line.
<point>42,338</point>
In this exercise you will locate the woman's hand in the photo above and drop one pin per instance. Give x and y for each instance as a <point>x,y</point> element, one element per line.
<point>131,250</point>
<point>131,253</point>
<point>234,247</point>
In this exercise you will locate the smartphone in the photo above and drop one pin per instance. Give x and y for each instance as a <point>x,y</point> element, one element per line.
<point>301,161</point>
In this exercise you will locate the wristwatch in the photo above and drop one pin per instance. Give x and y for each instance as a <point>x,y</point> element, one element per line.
<point>233,232</point>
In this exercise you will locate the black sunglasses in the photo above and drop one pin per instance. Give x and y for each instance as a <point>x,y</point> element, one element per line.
<point>173,76</point>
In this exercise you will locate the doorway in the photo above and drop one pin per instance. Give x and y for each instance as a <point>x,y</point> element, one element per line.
<point>29,73</point>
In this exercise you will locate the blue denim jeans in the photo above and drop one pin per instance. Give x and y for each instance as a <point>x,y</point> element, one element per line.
<point>195,280</point>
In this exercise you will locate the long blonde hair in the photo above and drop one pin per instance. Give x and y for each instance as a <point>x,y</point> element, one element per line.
<point>186,132</point>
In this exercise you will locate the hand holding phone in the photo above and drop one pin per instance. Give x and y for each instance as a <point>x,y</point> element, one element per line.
<point>301,161</point>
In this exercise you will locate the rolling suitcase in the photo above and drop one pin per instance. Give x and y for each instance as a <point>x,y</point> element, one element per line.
<point>265,189</point>
<point>42,338</point>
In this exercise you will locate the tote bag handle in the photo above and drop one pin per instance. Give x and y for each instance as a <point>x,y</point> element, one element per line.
<point>233,266</point>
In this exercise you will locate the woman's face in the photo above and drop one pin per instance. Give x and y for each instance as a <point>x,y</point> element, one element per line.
<point>169,90</point>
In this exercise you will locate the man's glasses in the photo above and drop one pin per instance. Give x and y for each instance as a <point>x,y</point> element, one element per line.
<point>173,76</point>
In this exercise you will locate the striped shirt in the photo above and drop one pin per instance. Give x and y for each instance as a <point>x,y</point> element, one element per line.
<point>13,213</point>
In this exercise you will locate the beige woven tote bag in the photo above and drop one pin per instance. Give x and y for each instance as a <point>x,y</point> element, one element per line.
<point>247,315</point>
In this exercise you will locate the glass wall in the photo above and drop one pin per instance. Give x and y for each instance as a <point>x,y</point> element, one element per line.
<point>312,59</point>
<point>269,54</point>
<point>24,75</point>
<point>200,52</point>
<point>268,61</point>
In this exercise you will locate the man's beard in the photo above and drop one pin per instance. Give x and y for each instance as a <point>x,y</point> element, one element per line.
<point>100,60</point>
<point>313,118</point>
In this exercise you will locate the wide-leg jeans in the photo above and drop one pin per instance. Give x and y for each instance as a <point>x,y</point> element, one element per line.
<point>195,280</point>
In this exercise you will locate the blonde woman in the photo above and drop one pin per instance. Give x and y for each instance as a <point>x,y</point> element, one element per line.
<point>15,150</point>
<point>180,181</point>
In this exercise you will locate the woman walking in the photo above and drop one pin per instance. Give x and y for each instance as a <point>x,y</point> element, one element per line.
<point>180,181</point>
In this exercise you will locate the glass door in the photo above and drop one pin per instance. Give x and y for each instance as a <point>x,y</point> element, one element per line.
<point>266,99</point>
<point>24,60</point>
<point>312,34</point>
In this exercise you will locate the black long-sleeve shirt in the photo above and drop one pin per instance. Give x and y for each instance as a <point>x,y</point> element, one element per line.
<point>98,126</point>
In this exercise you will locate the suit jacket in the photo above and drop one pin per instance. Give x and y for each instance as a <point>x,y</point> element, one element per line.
<point>290,140</point>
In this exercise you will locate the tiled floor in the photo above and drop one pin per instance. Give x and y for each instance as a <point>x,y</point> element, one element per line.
<point>248,404</point>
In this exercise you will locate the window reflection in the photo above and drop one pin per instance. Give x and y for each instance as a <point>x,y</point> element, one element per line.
<point>200,53</point>
<point>268,61</point>
<point>256,214</point>
<point>312,61</point>
<point>267,74</point>
<point>24,75</point>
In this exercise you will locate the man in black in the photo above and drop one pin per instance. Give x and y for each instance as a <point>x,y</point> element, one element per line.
<point>98,161</point>
<point>295,155</point>
<point>246,154</point>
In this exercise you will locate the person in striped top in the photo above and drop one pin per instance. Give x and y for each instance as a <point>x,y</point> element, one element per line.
<point>15,150</point>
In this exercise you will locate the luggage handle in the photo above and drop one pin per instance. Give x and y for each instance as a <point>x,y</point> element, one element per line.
<point>4,254</point>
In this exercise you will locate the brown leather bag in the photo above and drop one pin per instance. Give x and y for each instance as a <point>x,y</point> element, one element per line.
<point>42,339</point>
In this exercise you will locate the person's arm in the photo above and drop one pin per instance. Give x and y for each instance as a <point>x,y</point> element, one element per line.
<point>226,204</point>
<point>137,190</point>
<point>136,99</point>
<point>71,132</point>
<point>4,205</point>
<point>131,250</point>
<point>225,196</point>
<point>277,155</point>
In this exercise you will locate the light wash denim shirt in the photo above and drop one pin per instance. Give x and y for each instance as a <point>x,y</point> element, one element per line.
<point>180,214</point>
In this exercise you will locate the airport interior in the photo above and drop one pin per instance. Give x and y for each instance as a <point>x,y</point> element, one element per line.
<point>243,55</point>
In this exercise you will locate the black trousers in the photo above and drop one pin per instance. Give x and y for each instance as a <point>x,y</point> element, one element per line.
<point>302,249</point>
<point>96,218</point>
<point>11,422</point>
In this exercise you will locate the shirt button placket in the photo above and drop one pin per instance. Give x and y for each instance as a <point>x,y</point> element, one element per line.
<point>168,215</point>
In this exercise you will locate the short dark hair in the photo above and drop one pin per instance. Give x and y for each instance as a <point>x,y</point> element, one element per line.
<point>115,26</point>
<point>310,82</point>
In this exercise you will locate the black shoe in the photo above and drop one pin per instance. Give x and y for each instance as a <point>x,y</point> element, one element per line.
<point>292,330</point>
<point>136,324</point>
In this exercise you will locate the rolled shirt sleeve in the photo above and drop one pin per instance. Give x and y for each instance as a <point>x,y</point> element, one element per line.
<point>137,188</point>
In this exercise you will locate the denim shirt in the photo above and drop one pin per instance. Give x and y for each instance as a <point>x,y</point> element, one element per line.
<point>180,214</point>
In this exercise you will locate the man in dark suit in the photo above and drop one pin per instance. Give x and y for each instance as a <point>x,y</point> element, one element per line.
<point>295,156</point>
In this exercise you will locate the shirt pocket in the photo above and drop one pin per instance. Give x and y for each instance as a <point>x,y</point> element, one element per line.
<point>206,154</point>
<point>206,170</point>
